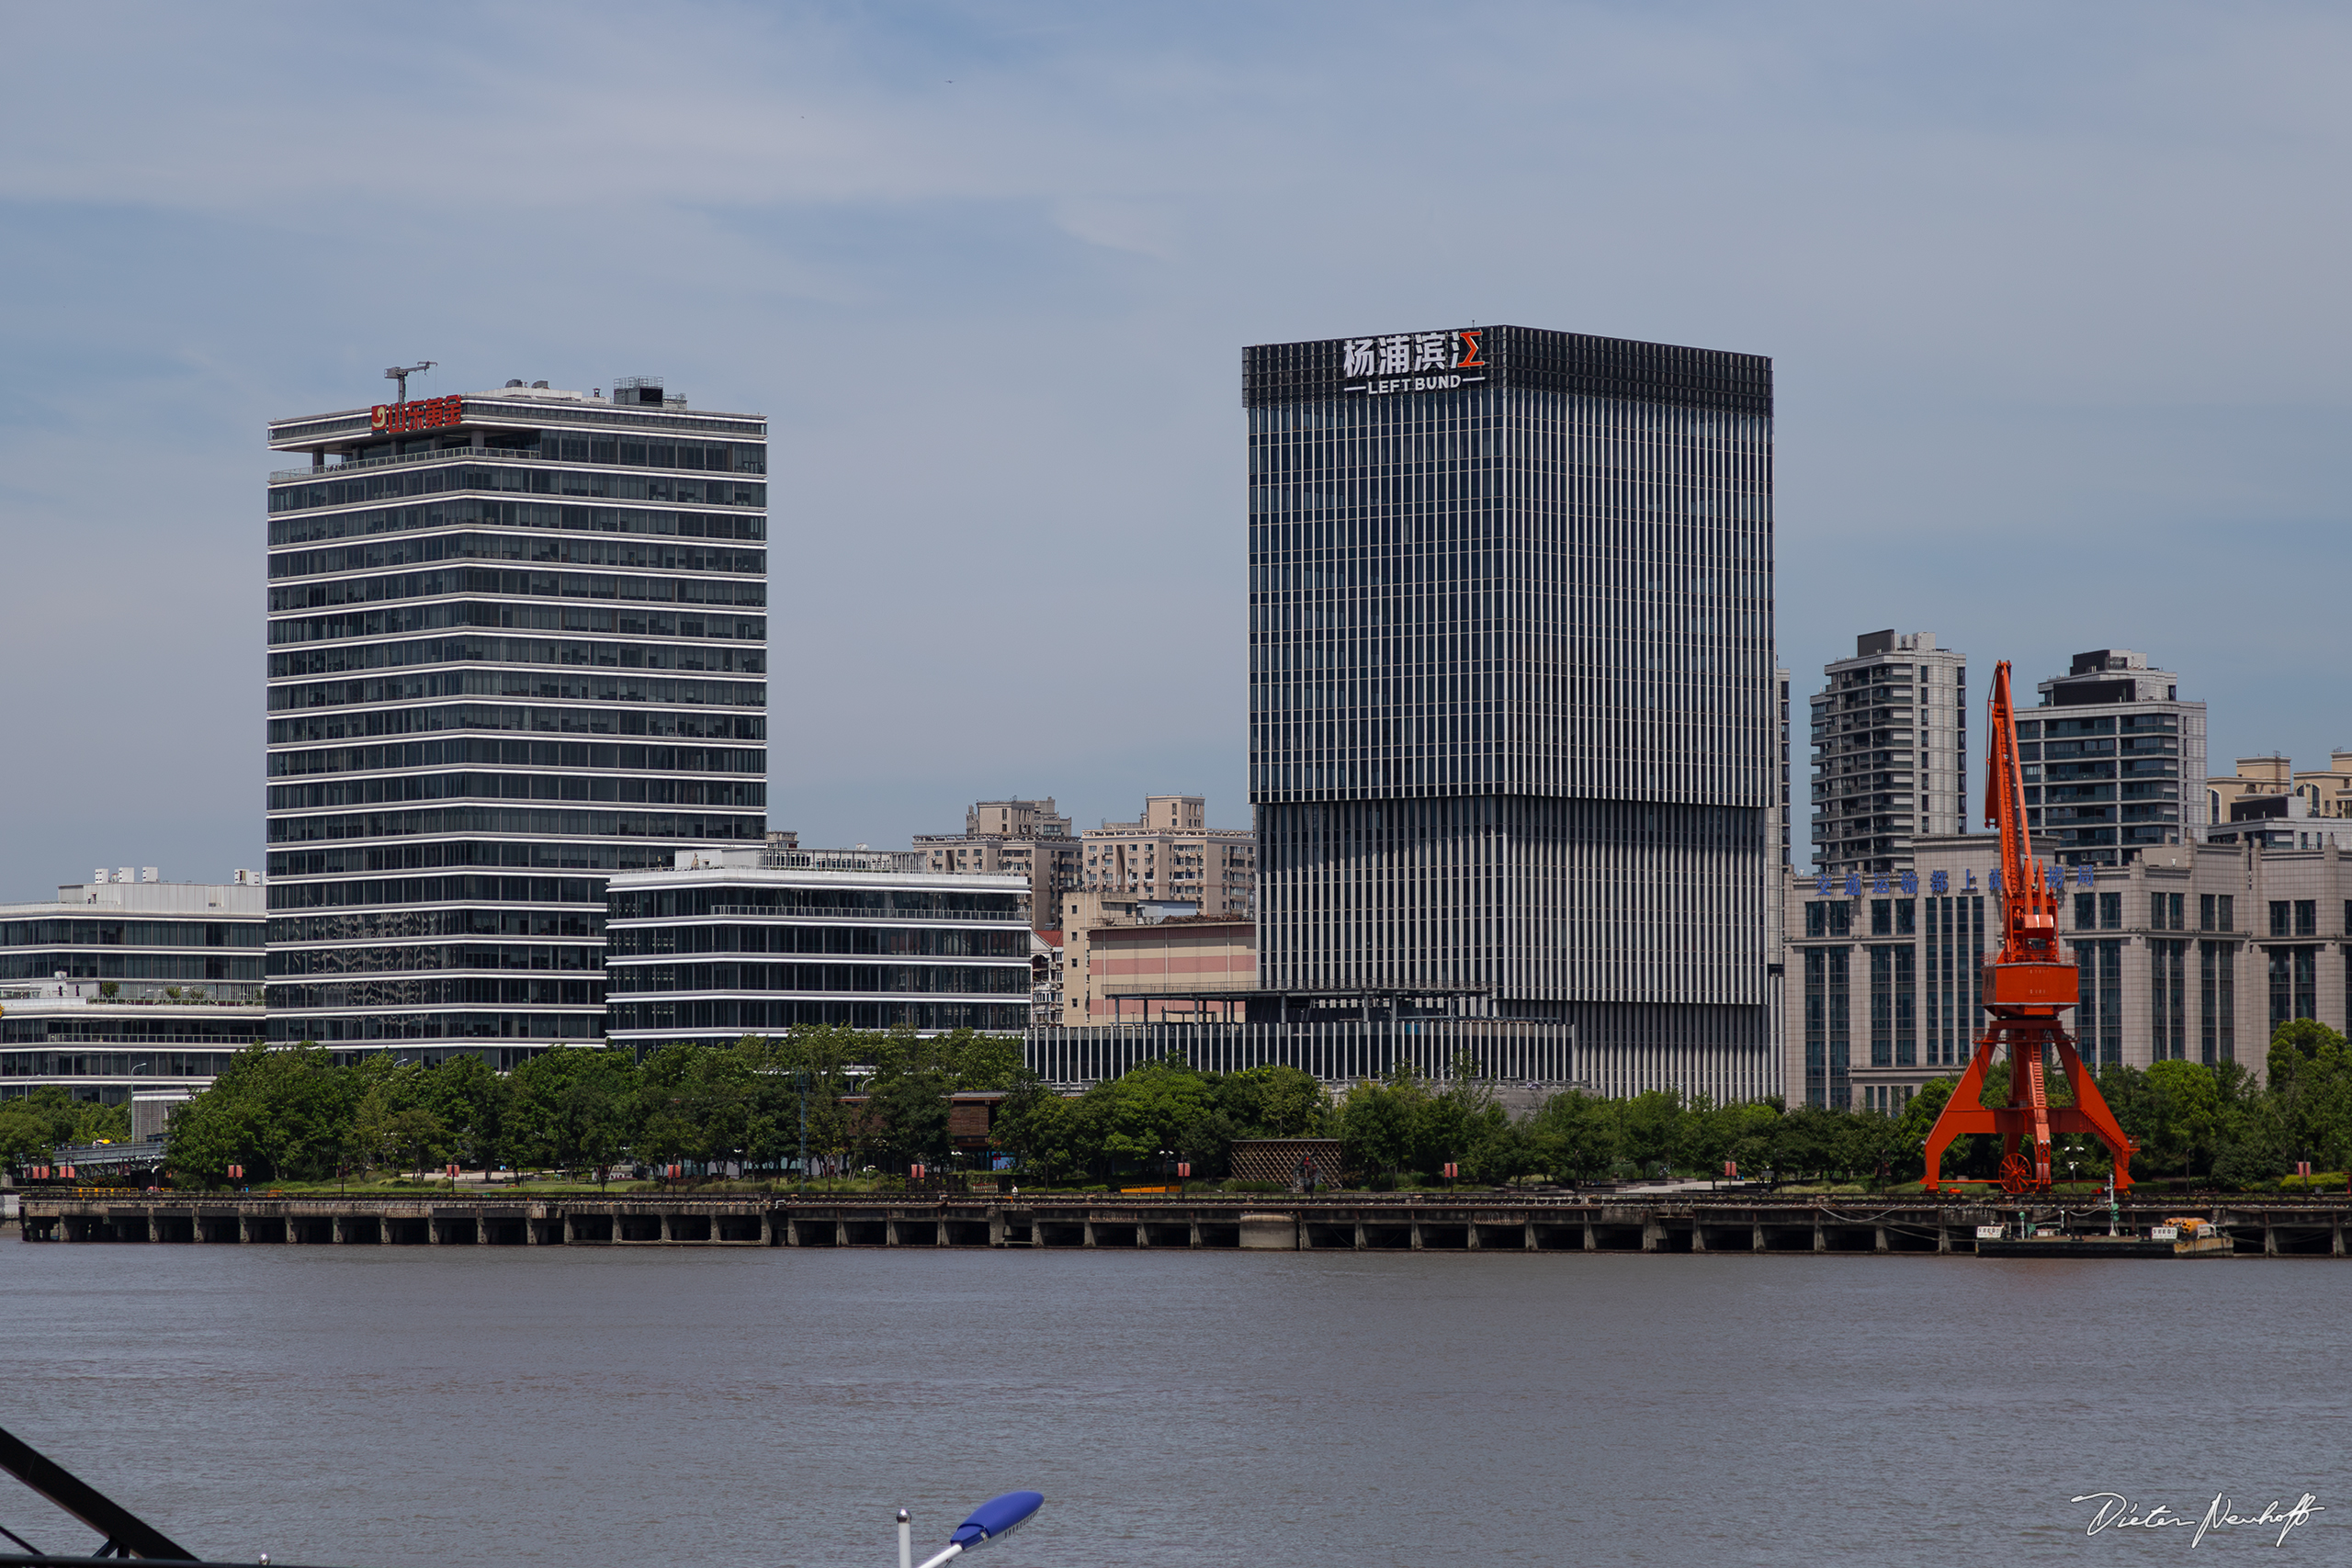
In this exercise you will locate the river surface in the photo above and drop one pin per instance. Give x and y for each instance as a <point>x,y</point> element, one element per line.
<point>411,1406</point>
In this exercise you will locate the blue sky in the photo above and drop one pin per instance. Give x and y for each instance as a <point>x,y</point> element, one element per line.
<point>2055,297</point>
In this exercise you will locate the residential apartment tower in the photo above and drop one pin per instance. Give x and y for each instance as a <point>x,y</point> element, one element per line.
<point>1890,751</point>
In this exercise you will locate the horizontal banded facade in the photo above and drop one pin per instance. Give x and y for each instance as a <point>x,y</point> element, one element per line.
<point>524,633</point>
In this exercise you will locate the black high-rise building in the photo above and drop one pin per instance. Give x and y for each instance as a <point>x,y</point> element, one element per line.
<point>518,643</point>
<point>1513,722</point>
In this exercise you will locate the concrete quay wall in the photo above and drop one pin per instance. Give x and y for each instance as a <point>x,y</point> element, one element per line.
<point>1422,1223</point>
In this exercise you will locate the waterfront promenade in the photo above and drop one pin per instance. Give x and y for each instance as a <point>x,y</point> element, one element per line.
<point>1468,1222</point>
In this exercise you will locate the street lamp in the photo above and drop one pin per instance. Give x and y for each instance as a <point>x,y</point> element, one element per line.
<point>997,1516</point>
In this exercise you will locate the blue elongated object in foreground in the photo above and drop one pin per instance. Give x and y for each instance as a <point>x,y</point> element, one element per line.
<point>996,1518</point>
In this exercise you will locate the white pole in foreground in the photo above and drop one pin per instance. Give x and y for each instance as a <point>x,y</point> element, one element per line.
<point>906,1539</point>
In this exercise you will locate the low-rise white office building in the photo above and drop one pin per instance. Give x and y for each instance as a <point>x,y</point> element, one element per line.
<point>129,982</point>
<point>734,942</point>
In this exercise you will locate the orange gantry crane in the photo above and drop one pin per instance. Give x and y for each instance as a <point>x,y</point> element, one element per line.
<point>2027,987</point>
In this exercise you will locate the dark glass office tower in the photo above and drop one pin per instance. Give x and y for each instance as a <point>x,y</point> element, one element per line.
<point>518,643</point>
<point>1512,707</point>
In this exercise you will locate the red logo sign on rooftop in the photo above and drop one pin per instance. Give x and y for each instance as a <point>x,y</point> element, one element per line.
<point>428,413</point>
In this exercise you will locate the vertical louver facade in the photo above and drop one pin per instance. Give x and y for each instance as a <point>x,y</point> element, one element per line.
<point>1512,700</point>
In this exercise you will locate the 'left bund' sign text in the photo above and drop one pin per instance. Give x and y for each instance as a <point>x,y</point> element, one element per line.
<point>1413,362</point>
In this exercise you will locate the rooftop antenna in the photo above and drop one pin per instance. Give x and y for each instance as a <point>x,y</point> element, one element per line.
<point>400,373</point>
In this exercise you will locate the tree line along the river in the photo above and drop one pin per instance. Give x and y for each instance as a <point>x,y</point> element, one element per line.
<point>865,1099</point>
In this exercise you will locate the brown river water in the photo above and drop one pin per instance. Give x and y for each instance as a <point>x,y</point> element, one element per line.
<point>410,1406</point>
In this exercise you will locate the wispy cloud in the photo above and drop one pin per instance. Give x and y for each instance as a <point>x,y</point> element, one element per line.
<point>2052,295</point>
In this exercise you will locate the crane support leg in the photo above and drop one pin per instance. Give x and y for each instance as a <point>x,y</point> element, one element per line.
<point>1962,1113</point>
<point>2090,1113</point>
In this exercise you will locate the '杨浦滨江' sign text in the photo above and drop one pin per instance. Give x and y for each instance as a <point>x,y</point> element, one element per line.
<point>1413,362</point>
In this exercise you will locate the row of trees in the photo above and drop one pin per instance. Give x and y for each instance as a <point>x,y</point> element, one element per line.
<point>856,1098</point>
<point>2190,1121</point>
<point>298,1115</point>
<point>49,1118</point>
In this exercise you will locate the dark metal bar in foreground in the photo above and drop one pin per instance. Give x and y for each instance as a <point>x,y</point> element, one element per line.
<point>127,1535</point>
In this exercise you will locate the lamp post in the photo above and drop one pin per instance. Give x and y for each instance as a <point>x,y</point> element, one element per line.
<point>997,1516</point>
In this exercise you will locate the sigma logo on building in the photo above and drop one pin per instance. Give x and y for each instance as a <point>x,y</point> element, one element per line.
<point>1413,362</point>
<point>431,413</point>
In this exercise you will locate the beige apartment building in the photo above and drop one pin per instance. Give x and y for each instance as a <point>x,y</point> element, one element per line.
<point>1170,854</point>
<point>2188,952</point>
<point>2324,792</point>
<point>1159,956</point>
<point>1011,838</point>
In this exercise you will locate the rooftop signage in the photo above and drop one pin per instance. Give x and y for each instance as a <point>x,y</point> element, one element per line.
<point>428,413</point>
<point>1413,362</point>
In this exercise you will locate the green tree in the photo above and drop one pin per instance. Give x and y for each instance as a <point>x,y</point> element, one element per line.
<point>1653,1128</point>
<point>973,1062</point>
<point>34,1125</point>
<point>1811,1142</point>
<point>1273,1102</point>
<point>283,1114</point>
<point>1040,1128</point>
<point>573,1107</point>
<point>1501,1149</point>
<point>2185,1106</point>
<point>371,1141</point>
<point>1376,1127</point>
<point>2255,1146</point>
<point>1747,1135</point>
<point>2311,1081</point>
<point>419,1135</point>
<point>1575,1136</point>
<point>469,1100</point>
<point>1871,1143</point>
<point>1155,1106</point>
<point>907,1116</point>
<point>666,1135</point>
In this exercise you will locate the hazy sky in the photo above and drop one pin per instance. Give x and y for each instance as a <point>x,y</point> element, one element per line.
<point>2055,296</point>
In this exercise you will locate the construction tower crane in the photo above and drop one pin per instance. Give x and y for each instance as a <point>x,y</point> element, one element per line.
<point>2027,986</point>
<point>400,373</point>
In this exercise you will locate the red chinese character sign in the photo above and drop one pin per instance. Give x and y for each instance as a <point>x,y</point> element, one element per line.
<point>428,413</point>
